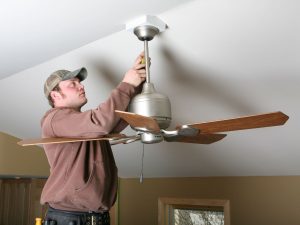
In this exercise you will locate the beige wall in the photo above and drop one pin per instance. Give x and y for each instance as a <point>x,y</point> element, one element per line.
<point>253,200</point>
<point>17,160</point>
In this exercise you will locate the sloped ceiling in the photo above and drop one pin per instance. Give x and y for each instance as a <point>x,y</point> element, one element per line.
<point>217,60</point>
<point>35,31</point>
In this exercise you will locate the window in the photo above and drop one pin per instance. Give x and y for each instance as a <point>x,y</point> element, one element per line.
<point>179,211</point>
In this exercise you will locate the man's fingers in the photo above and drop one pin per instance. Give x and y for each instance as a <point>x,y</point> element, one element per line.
<point>140,72</point>
<point>139,59</point>
<point>139,66</point>
<point>137,62</point>
<point>142,61</point>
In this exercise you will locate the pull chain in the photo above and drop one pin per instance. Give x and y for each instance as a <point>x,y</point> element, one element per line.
<point>142,167</point>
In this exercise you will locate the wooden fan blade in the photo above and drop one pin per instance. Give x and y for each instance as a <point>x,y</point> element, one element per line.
<point>241,123</point>
<point>199,139</point>
<point>60,140</point>
<point>139,121</point>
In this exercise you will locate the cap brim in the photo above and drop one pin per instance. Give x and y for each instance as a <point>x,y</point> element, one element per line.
<point>81,74</point>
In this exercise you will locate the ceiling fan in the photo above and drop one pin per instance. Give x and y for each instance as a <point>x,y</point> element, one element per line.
<point>150,115</point>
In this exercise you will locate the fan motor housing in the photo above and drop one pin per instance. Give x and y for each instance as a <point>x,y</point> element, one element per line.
<point>152,104</point>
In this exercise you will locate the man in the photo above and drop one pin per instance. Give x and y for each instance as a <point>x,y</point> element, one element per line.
<point>82,185</point>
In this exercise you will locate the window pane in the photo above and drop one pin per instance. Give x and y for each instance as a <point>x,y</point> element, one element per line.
<point>197,217</point>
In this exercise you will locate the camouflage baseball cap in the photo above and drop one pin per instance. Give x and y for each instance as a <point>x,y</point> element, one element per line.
<point>61,75</point>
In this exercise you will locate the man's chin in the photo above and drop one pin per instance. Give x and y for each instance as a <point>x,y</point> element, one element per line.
<point>84,102</point>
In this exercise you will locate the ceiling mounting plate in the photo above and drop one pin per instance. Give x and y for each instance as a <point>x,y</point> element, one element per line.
<point>146,20</point>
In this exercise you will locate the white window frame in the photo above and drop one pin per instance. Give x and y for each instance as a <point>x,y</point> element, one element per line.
<point>166,205</point>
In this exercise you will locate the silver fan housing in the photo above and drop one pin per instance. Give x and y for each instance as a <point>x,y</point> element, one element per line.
<point>152,104</point>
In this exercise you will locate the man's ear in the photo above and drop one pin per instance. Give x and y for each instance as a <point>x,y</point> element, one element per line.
<point>55,95</point>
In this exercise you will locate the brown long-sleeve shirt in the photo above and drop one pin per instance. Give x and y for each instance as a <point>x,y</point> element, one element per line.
<point>83,175</point>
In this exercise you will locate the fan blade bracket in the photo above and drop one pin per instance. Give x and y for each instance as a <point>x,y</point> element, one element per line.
<point>169,133</point>
<point>125,140</point>
<point>132,140</point>
<point>186,130</point>
<point>183,130</point>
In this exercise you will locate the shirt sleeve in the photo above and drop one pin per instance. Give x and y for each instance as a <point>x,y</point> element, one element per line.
<point>67,122</point>
<point>122,124</point>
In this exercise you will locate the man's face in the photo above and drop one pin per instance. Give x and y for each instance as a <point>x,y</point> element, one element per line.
<point>72,94</point>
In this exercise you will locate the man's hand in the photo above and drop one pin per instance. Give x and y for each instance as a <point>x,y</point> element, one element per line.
<point>137,74</point>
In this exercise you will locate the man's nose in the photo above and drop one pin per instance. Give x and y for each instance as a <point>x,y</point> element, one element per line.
<point>81,86</point>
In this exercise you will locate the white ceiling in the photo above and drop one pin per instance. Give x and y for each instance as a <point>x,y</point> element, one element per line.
<point>35,31</point>
<point>217,60</point>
